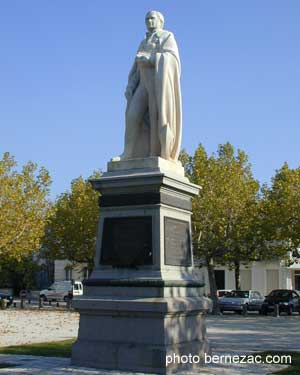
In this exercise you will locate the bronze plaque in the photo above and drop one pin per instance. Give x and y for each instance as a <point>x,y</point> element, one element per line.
<point>127,241</point>
<point>177,242</point>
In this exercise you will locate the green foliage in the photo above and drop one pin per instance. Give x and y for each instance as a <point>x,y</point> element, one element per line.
<point>234,223</point>
<point>24,208</point>
<point>282,210</point>
<point>226,210</point>
<point>186,161</point>
<point>72,231</point>
<point>18,274</point>
<point>228,214</point>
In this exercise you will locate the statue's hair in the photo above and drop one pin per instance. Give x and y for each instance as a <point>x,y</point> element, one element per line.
<point>159,15</point>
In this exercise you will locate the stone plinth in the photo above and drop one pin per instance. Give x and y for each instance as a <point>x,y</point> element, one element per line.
<point>138,334</point>
<point>154,164</point>
<point>143,300</point>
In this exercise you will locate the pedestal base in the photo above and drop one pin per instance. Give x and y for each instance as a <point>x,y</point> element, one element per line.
<point>139,334</point>
<point>142,303</point>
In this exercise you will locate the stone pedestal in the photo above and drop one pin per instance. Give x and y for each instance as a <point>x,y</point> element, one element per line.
<point>143,300</point>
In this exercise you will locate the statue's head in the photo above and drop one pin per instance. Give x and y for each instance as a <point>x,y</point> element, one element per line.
<point>154,20</point>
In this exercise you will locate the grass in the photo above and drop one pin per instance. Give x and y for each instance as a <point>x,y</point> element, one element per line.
<point>44,349</point>
<point>293,369</point>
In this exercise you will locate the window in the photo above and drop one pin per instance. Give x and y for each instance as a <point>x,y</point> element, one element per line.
<point>256,295</point>
<point>280,293</point>
<point>239,294</point>
<point>220,279</point>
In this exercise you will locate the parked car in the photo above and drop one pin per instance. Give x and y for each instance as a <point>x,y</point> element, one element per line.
<point>223,292</point>
<point>241,301</point>
<point>8,298</point>
<point>62,291</point>
<point>288,301</point>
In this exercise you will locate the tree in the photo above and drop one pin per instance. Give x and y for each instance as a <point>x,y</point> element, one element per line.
<point>203,171</point>
<point>186,161</point>
<point>282,212</point>
<point>224,213</point>
<point>71,233</point>
<point>240,210</point>
<point>24,208</point>
<point>19,274</point>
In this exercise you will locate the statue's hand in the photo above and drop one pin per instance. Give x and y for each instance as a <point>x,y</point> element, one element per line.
<point>145,60</point>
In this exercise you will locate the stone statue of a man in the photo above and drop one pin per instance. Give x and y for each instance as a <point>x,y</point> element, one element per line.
<point>153,114</point>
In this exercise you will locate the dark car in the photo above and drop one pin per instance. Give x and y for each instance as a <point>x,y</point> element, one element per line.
<point>9,299</point>
<point>287,300</point>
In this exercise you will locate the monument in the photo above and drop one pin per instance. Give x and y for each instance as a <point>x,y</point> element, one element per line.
<point>153,114</point>
<point>143,301</point>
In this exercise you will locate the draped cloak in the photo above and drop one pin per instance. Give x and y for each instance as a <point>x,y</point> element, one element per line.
<point>168,99</point>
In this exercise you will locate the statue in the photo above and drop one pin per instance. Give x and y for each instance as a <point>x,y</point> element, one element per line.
<point>153,113</point>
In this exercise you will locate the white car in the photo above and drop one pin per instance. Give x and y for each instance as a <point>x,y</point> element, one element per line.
<point>241,301</point>
<point>62,290</point>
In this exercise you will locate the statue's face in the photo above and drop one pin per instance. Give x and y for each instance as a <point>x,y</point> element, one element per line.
<point>152,21</point>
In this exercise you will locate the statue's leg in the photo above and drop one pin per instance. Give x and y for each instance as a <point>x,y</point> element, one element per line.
<point>153,114</point>
<point>134,116</point>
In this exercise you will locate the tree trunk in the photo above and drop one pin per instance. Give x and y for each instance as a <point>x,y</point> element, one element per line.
<point>212,286</point>
<point>237,275</point>
<point>90,265</point>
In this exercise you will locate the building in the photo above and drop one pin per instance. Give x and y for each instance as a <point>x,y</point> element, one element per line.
<point>260,276</point>
<point>66,270</point>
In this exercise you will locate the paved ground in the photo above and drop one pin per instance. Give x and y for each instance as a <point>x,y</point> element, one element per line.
<point>229,334</point>
<point>31,365</point>
<point>254,333</point>
<point>29,326</point>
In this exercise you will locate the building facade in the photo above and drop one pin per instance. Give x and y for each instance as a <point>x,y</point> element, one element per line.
<point>66,270</point>
<point>260,276</point>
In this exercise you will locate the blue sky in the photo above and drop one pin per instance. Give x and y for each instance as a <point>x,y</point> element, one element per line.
<point>64,67</point>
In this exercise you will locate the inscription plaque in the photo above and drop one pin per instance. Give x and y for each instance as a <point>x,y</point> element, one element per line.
<point>127,241</point>
<point>177,242</point>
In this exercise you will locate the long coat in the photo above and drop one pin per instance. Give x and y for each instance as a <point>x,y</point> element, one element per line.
<point>168,98</point>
